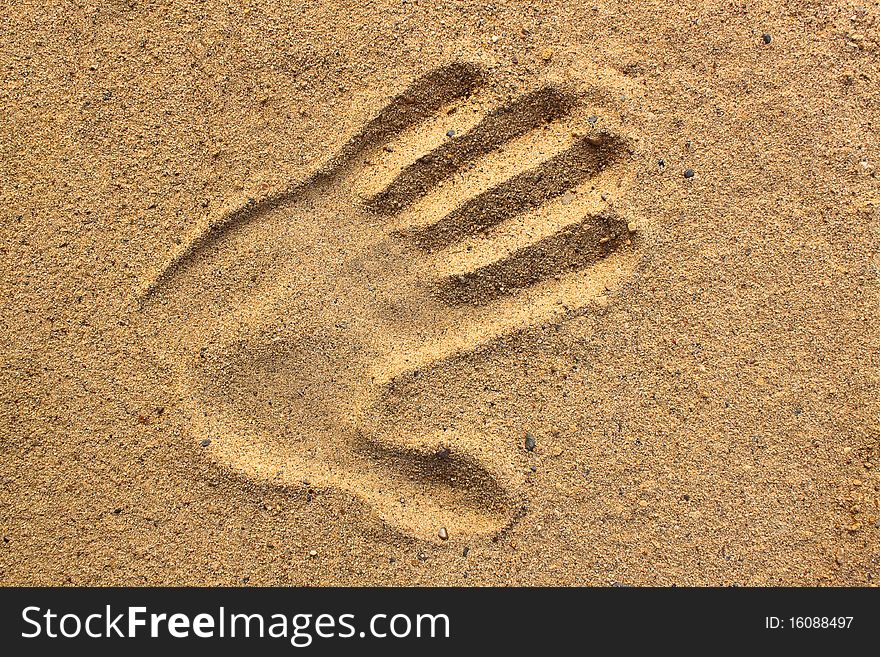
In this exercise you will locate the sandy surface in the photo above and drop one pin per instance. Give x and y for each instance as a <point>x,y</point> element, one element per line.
<point>287,292</point>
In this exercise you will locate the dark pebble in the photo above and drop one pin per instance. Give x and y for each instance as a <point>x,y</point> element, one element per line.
<point>767,38</point>
<point>206,442</point>
<point>661,163</point>
<point>450,133</point>
<point>689,173</point>
<point>592,120</point>
<point>530,442</point>
<point>464,552</point>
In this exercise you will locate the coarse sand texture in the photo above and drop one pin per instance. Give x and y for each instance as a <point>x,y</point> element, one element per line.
<point>454,293</point>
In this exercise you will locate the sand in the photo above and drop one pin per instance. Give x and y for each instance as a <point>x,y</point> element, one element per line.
<point>413,293</point>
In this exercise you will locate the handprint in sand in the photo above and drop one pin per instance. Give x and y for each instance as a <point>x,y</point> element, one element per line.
<point>440,227</point>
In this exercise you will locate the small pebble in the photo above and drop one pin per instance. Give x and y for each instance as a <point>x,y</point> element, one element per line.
<point>567,198</point>
<point>206,442</point>
<point>530,442</point>
<point>592,119</point>
<point>661,163</point>
<point>443,534</point>
<point>464,552</point>
<point>689,173</point>
<point>450,133</point>
<point>313,553</point>
<point>767,38</point>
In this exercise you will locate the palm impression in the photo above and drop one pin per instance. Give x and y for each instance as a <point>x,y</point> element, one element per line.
<point>440,227</point>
